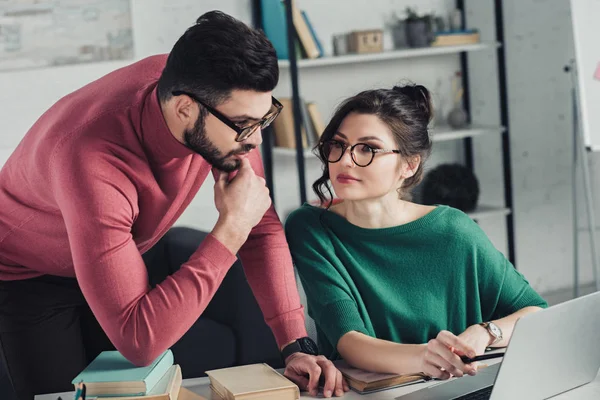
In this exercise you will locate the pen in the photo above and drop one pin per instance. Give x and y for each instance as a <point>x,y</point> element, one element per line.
<point>482,357</point>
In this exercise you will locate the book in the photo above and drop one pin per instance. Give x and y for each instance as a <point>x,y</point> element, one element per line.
<point>255,381</point>
<point>275,27</point>
<point>167,388</point>
<point>456,38</point>
<point>112,375</point>
<point>303,32</point>
<point>283,126</point>
<point>309,137</point>
<point>313,33</point>
<point>365,382</point>
<point>316,119</point>
<point>187,394</point>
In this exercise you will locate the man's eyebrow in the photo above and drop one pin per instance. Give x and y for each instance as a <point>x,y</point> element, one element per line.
<point>245,117</point>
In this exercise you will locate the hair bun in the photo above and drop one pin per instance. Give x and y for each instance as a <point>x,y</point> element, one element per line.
<point>420,96</point>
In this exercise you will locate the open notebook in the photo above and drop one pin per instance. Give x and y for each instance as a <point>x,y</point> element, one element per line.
<point>367,382</point>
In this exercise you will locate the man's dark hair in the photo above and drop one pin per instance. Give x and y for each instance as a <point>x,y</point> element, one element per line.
<point>217,55</point>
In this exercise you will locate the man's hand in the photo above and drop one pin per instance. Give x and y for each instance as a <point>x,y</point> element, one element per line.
<point>242,203</point>
<point>300,365</point>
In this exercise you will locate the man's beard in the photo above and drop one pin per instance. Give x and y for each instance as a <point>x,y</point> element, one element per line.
<point>197,141</point>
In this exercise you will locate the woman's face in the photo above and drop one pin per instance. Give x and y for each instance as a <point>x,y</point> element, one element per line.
<point>382,176</point>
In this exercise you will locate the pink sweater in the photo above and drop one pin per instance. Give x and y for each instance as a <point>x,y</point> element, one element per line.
<point>97,180</point>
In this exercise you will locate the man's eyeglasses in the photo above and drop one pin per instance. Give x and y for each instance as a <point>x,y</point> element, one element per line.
<point>362,154</point>
<point>245,132</point>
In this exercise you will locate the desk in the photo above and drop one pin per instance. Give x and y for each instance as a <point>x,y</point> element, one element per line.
<point>201,386</point>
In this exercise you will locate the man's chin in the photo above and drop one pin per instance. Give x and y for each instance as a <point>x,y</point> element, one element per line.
<point>228,165</point>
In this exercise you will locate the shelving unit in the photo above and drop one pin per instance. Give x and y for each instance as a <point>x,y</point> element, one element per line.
<point>439,134</point>
<point>388,55</point>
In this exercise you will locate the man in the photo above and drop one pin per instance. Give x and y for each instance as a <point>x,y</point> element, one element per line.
<point>105,172</point>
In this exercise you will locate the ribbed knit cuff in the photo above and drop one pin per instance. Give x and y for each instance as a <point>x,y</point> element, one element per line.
<point>339,318</point>
<point>215,252</point>
<point>288,327</point>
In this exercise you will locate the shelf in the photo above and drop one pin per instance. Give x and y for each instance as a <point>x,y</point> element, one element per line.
<point>488,211</point>
<point>446,133</point>
<point>389,55</point>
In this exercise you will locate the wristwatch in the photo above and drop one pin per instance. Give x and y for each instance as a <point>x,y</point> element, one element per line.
<point>302,345</point>
<point>494,331</point>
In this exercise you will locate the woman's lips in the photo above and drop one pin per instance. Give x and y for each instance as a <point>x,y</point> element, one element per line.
<point>346,179</point>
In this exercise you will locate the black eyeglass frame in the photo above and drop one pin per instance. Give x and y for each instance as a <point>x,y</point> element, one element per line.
<point>345,147</point>
<point>241,133</point>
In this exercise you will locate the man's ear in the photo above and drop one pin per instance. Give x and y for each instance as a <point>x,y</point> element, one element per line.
<point>412,166</point>
<point>183,108</point>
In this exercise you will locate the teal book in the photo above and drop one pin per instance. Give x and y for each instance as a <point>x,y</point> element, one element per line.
<point>112,375</point>
<point>313,33</point>
<point>275,26</point>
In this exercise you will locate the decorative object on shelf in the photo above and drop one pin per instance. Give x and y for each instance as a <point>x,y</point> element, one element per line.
<point>451,184</point>
<point>419,29</point>
<point>340,44</point>
<point>439,24</point>
<point>457,117</point>
<point>369,41</point>
<point>456,20</point>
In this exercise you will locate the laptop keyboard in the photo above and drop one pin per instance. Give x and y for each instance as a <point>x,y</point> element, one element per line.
<point>481,394</point>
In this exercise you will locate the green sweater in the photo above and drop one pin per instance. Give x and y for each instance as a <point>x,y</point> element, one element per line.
<point>403,284</point>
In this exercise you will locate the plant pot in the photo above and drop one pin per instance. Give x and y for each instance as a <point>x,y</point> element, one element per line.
<point>419,32</point>
<point>399,35</point>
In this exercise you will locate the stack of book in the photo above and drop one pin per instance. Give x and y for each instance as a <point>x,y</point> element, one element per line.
<point>112,377</point>
<point>255,381</point>
<point>456,38</point>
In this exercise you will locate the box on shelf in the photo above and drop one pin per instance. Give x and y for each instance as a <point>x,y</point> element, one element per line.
<point>370,41</point>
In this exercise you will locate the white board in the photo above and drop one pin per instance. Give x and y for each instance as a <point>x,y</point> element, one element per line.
<point>585,15</point>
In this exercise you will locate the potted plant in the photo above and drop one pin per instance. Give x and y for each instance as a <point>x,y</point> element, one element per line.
<point>419,29</point>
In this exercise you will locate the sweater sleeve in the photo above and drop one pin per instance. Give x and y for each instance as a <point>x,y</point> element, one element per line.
<point>325,281</point>
<point>270,272</point>
<point>502,289</point>
<point>98,203</point>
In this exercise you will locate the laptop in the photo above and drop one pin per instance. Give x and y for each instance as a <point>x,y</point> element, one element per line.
<point>550,352</point>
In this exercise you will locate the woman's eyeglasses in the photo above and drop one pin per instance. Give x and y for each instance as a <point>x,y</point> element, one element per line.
<point>362,154</point>
<point>245,132</point>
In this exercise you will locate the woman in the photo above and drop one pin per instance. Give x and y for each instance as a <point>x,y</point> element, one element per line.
<point>383,275</point>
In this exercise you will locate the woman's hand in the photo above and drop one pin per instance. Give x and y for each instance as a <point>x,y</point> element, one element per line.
<point>440,357</point>
<point>477,337</point>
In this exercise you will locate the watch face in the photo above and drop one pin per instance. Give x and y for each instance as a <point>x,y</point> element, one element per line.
<point>309,346</point>
<point>495,330</point>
